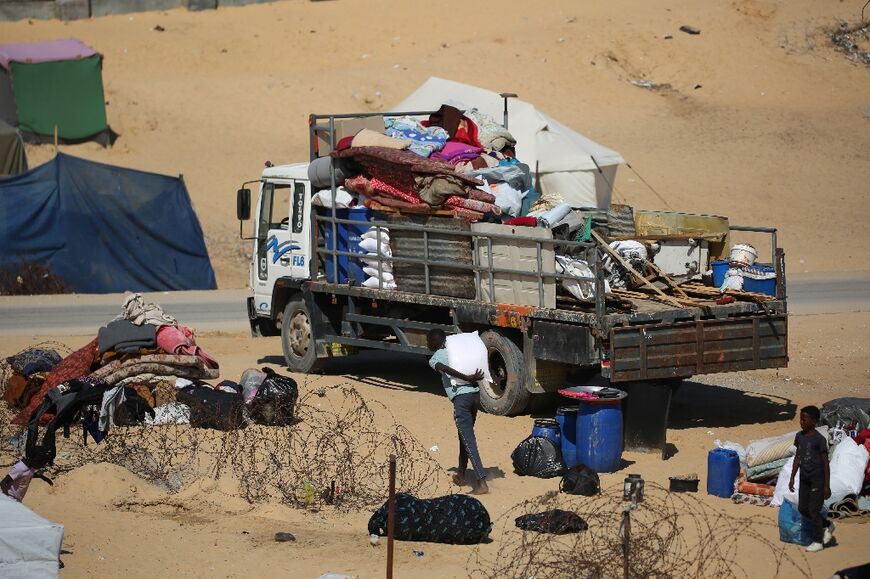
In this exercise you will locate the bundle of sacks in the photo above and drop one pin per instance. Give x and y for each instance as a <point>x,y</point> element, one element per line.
<point>379,271</point>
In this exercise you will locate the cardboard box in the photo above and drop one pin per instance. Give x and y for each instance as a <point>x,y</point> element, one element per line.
<point>346,128</point>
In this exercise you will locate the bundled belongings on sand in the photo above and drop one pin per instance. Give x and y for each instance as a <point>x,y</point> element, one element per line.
<point>453,519</point>
<point>142,368</point>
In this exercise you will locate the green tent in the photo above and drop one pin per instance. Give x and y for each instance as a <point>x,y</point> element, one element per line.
<point>12,158</point>
<point>54,85</point>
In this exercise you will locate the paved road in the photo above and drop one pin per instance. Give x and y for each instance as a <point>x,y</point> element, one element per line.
<point>225,309</point>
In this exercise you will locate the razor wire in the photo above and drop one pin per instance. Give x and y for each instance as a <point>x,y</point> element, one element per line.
<point>672,535</point>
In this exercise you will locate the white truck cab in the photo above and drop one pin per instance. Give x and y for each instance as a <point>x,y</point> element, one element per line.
<point>282,233</point>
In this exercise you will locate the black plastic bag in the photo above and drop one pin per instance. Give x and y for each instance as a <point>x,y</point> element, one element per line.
<point>555,522</point>
<point>851,413</point>
<point>275,402</point>
<point>580,480</point>
<point>539,457</point>
<point>453,519</point>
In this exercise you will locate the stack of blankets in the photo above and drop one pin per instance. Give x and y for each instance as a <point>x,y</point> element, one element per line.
<point>457,163</point>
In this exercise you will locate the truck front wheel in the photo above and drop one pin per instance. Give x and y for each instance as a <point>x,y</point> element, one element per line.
<point>298,339</point>
<point>506,394</point>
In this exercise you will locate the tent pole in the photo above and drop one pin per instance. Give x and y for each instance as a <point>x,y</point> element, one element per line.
<point>55,140</point>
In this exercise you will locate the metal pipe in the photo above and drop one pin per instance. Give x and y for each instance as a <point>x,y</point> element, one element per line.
<point>391,516</point>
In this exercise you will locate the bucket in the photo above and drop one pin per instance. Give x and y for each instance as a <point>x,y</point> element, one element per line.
<point>723,466</point>
<point>566,418</point>
<point>743,254</point>
<point>547,428</point>
<point>599,436</point>
<point>349,237</point>
<point>760,279</point>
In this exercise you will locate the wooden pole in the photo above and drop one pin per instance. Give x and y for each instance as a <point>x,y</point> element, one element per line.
<point>391,516</point>
<point>55,140</point>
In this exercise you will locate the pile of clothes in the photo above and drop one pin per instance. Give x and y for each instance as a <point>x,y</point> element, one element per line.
<point>458,163</point>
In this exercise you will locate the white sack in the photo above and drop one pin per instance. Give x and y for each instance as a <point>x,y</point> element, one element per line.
<point>373,233</point>
<point>323,198</point>
<point>466,353</point>
<point>848,463</point>
<point>781,493</point>
<point>371,246</point>
<point>172,413</point>
<point>373,272</point>
<point>582,290</point>
<point>374,282</point>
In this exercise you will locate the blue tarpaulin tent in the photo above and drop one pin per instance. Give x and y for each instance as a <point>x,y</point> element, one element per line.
<point>103,229</point>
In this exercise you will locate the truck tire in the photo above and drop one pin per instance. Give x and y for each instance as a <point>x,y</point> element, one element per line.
<point>298,339</point>
<point>507,394</point>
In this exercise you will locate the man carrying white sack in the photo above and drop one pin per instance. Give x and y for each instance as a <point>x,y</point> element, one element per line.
<point>463,391</point>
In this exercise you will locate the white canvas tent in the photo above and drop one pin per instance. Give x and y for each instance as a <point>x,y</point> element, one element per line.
<point>29,544</point>
<point>563,160</point>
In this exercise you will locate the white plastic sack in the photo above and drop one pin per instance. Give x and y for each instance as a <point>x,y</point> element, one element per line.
<point>781,493</point>
<point>29,544</point>
<point>508,199</point>
<point>373,282</point>
<point>467,353</point>
<point>373,233</point>
<point>582,290</point>
<point>373,262</point>
<point>371,246</point>
<point>373,272</point>
<point>323,198</point>
<point>736,447</point>
<point>848,462</point>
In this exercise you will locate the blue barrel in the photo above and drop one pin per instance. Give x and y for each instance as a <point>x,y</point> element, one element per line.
<point>349,238</point>
<point>566,418</point>
<point>547,428</point>
<point>599,435</point>
<point>720,268</point>
<point>723,466</point>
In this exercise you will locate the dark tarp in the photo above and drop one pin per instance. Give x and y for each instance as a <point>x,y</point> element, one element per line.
<point>103,229</point>
<point>12,157</point>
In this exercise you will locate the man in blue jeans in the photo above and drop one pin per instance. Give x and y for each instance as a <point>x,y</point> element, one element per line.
<point>465,395</point>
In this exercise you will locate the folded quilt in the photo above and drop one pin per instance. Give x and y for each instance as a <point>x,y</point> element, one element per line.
<point>158,364</point>
<point>766,470</point>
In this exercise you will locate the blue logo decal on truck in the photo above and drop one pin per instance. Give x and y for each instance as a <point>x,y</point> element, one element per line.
<point>279,250</point>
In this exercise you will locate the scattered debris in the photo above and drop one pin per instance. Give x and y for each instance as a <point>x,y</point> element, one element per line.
<point>374,540</point>
<point>849,41</point>
<point>571,19</point>
<point>650,85</point>
<point>697,86</point>
<point>669,37</point>
<point>285,537</point>
<point>417,553</point>
<point>690,30</point>
<point>158,28</point>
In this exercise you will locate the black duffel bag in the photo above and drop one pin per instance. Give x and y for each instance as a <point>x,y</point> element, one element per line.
<point>453,519</point>
<point>538,456</point>
<point>275,401</point>
<point>210,408</point>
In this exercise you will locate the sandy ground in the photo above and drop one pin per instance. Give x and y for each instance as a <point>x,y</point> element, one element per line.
<point>763,122</point>
<point>120,525</point>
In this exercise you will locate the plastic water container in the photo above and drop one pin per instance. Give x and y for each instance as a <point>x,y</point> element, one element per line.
<point>723,466</point>
<point>349,237</point>
<point>566,418</point>
<point>599,435</point>
<point>760,279</point>
<point>720,268</point>
<point>547,428</point>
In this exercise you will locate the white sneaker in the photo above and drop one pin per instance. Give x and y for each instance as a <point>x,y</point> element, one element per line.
<point>829,533</point>
<point>813,547</point>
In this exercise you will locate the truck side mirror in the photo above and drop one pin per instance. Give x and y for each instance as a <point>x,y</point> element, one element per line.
<point>243,204</point>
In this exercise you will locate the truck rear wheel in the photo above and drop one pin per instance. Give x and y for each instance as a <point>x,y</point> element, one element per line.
<point>506,394</point>
<point>297,338</point>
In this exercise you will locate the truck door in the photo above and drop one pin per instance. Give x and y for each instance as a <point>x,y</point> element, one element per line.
<point>282,238</point>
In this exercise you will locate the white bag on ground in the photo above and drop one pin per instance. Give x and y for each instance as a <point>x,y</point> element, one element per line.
<point>781,493</point>
<point>848,462</point>
<point>467,353</point>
